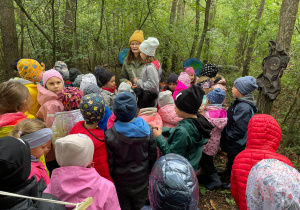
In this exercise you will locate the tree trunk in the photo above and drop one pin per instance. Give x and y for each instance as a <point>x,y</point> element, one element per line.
<point>207,8</point>
<point>22,17</point>
<point>250,49</point>
<point>196,34</point>
<point>173,12</point>
<point>54,33</point>
<point>68,29</point>
<point>211,25</point>
<point>180,11</point>
<point>288,15</point>
<point>9,38</point>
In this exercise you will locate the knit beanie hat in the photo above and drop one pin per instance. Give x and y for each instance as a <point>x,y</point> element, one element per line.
<point>74,150</point>
<point>173,184</point>
<point>15,163</point>
<point>216,96</point>
<point>210,70</point>
<point>78,81</point>
<point>138,35</point>
<point>62,68</point>
<point>86,80</point>
<point>172,78</point>
<point>245,85</point>
<point>92,108</point>
<point>185,79</point>
<point>51,73</point>
<point>29,68</point>
<point>91,88</point>
<point>125,107</point>
<point>124,87</point>
<point>145,98</point>
<point>70,98</point>
<point>149,46</point>
<point>102,76</point>
<point>73,74</point>
<point>189,70</point>
<point>165,98</point>
<point>189,100</point>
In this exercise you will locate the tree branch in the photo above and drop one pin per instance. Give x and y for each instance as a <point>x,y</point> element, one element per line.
<point>35,24</point>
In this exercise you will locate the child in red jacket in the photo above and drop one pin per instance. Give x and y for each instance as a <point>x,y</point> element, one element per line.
<point>92,108</point>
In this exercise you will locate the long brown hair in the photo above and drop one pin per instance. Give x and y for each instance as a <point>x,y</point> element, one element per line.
<point>149,59</point>
<point>14,97</point>
<point>130,57</point>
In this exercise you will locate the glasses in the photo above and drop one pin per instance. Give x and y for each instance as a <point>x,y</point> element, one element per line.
<point>135,45</point>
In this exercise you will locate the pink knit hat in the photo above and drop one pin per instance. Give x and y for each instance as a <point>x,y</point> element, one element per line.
<point>185,79</point>
<point>51,73</point>
<point>189,70</point>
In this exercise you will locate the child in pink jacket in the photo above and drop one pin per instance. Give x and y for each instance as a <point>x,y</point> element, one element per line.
<point>217,116</point>
<point>47,96</point>
<point>167,109</point>
<point>76,180</point>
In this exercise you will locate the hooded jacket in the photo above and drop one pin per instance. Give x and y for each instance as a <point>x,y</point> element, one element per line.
<point>151,116</point>
<point>263,139</point>
<point>49,105</point>
<point>150,76</point>
<point>109,98</point>
<point>32,88</point>
<point>239,114</point>
<point>218,118</point>
<point>126,74</point>
<point>130,159</point>
<point>169,116</point>
<point>180,86</point>
<point>9,121</point>
<point>74,184</point>
<point>100,153</point>
<point>186,139</point>
<point>39,170</point>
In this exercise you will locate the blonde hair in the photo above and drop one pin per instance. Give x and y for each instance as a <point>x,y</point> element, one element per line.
<point>26,127</point>
<point>149,59</point>
<point>14,97</point>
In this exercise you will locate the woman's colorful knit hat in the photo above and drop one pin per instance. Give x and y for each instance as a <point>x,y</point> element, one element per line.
<point>210,70</point>
<point>70,97</point>
<point>29,69</point>
<point>92,108</point>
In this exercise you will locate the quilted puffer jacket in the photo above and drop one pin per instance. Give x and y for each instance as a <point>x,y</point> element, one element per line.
<point>173,184</point>
<point>263,139</point>
<point>169,116</point>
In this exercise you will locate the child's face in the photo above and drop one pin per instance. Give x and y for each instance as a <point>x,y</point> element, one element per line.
<point>54,84</point>
<point>172,86</point>
<point>39,77</point>
<point>236,93</point>
<point>143,56</point>
<point>179,113</point>
<point>41,150</point>
<point>192,77</point>
<point>111,83</point>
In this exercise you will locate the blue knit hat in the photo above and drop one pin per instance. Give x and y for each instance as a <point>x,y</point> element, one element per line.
<point>125,107</point>
<point>216,96</point>
<point>245,85</point>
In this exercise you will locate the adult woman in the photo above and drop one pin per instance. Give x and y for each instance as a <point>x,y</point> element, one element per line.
<point>132,66</point>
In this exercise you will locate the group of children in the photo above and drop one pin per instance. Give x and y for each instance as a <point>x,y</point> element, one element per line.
<point>107,141</point>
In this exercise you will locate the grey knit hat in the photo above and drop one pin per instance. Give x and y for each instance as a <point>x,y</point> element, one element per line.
<point>165,98</point>
<point>245,85</point>
<point>91,88</point>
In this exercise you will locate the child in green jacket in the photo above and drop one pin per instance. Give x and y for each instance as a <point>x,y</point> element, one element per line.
<point>191,133</point>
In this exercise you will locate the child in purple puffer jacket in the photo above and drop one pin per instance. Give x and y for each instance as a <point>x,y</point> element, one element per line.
<point>217,116</point>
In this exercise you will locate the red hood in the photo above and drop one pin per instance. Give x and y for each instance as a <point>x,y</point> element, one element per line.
<point>263,133</point>
<point>11,118</point>
<point>156,64</point>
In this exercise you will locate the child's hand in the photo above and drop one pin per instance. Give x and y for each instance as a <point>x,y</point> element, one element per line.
<point>129,83</point>
<point>157,131</point>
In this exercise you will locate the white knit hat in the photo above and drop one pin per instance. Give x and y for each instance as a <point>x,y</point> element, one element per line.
<point>165,98</point>
<point>74,150</point>
<point>149,46</point>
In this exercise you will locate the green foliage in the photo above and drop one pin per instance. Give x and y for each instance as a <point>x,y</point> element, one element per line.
<point>202,190</point>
